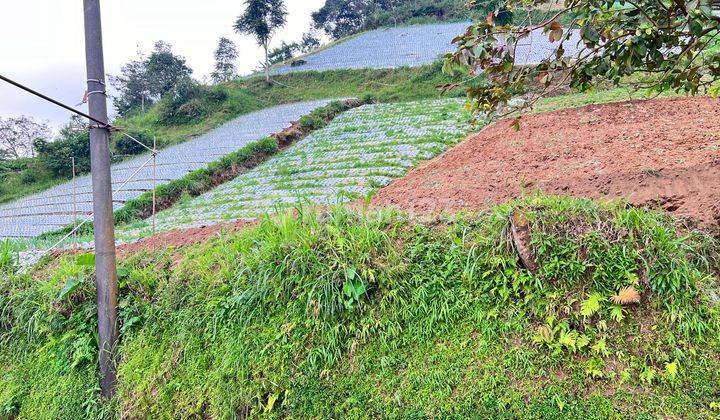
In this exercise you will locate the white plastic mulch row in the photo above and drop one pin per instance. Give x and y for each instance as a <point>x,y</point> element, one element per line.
<point>413,46</point>
<point>360,151</point>
<point>56,207</point>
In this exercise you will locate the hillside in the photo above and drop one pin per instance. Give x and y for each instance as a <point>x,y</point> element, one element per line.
<point>241,98</point>
<point>59,206</point>
<point>408,46</point>
<point>379,143</point>
<point>657,153</point>
<point>356,315</point>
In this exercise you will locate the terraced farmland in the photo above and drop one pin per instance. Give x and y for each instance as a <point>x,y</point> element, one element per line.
<point>60,205</point>
<point>412,46</point>
<point>360,151</point>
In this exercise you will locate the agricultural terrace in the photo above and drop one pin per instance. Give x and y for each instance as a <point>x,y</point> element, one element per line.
<point>362,150</point>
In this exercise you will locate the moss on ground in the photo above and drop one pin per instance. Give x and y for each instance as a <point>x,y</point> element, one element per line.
<point>356,314</point>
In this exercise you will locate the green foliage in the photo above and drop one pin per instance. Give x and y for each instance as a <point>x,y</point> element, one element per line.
<point>147,79</point>
<point>342,18</point>
<point>225,56</point>
<point>261,19</point>
<point>126,146</point>
<point>283,53</point>
<point>56,155</point>
<point>189,102</point>
<point>339,18</point>
<point>672,44</point>
<point>8,256</point>
<point>348,314</point>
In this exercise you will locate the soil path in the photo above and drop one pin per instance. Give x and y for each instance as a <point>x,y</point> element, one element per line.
<point>654,153</point>
<point>180,238</point>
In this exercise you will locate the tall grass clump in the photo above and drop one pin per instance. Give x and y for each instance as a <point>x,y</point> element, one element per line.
<point>356,314</point>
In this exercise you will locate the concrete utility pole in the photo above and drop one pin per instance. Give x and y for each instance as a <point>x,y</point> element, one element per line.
<point>105,271</point>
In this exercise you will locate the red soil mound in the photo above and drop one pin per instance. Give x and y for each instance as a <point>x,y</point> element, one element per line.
<point>180,238</point>
<point>662,153</point>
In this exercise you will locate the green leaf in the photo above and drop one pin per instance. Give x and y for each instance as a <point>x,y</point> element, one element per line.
<point>569,340</point>
<point>272,398</point>
<point>616,313</point>
<point>600,347</point>
<point>85,260</point>
<point>591,305</point>
<point>70,286</point>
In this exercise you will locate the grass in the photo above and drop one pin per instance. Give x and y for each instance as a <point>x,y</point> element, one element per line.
<point>389,85</point>
<point>596,96</point>
<point>361,314</point>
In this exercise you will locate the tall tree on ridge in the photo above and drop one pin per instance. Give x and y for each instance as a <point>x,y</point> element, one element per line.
<point>261,19</point>
<point>225,56</point>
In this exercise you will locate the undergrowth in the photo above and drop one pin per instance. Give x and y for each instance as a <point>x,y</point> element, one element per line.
<point>356,314</point>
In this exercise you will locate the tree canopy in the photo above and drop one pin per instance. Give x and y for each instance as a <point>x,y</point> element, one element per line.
<point>225,56</point>
<point>261,19</point>
<point>17,136</point>
<point>144,80</point>
<point>665,44</point>
<point>339,18</point>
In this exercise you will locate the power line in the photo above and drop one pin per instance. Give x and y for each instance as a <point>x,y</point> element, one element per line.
<point>105,125</point>
<point>56,102</point>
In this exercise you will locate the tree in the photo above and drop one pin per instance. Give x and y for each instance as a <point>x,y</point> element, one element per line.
<point>17,136</point>
<point>671,44</point>
<point>165,69</point>
<point>261,19</point>
<point>145,80</point>
<point>225,56</point>
<point>133,87</point>
<point>73,142</point>
<point>339,18</point>
<point>283,53</point>
<point>309,43</point>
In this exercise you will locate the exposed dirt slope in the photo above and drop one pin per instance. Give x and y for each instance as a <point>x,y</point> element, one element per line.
<point>657,153</point>
<point>180,237</point>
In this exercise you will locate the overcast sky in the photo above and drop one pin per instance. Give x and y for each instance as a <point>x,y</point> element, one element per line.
<point>42,43</point>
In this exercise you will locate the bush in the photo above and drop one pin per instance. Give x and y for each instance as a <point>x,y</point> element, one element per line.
<point>350,314</point>
<point>57,156</point>
<point>171,109</point>
<point>124,145</point>
<point>189,102</point>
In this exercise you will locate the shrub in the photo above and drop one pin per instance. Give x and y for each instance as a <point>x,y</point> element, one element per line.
<point>56,156</point>
<point>171,108</point>
<point>349,314</point>
<point>124,145</point>
<point>189,102</point>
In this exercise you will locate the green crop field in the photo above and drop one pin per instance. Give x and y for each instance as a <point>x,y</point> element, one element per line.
<point>361,150</point>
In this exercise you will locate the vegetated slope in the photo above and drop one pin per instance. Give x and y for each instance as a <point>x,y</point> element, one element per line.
<point>57,207</point>
<point>361,150</point>
<point>411,46</point>
<point>354,315</point>
<point>222,103</point>
<point>662,153</point>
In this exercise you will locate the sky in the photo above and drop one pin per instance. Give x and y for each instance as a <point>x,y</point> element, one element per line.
<point>42,43</point>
